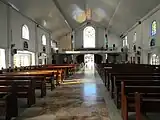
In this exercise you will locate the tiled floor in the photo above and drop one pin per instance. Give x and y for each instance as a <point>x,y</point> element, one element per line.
<point>80,98</point>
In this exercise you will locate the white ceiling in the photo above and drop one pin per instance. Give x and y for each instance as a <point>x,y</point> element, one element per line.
<point>129,12</point>
<point>115,15</point>
<point>45,13</point>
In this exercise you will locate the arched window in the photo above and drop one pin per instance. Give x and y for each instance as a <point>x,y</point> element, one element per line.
<point>135,37</point>
<point>89,37</point>
<point>154,59</point>
<point>44,40</point>
<point>125,42</point>
<point>154,28</point>
<point>25,32</point>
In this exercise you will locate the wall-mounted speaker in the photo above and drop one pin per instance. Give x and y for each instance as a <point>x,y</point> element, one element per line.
<point>121,36</point>
<point>138,53</point>
<point>122,50</point>
<point>44,49</point>
<point>14,51</point>
<point>134,48</point>
<point>110,49</point>
<point>139,22</point>
<point>107,46</point>
<point>40,54</point>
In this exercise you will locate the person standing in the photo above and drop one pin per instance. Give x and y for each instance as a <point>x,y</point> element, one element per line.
<point>65,61</point>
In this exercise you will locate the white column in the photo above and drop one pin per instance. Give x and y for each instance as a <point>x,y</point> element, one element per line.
<point>36,45</point>
<point>9,57</point>
<point>49,54</point>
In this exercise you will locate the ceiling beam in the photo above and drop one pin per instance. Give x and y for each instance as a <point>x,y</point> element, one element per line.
<point>115,12</point>
<point>62,13</point>
<point>27,17</point>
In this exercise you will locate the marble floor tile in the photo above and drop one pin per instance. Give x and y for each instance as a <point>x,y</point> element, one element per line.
<point>79,98</point>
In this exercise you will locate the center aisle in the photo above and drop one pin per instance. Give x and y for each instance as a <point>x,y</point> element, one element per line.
<point>79,98</point>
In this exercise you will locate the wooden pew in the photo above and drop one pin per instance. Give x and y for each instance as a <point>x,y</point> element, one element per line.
<point>8,102</point>
<point>66,68</point>
<point>123,75</point>
<point>140,96</point>
<point>117,84</point>
<point>40,81</point>
<point>55,74</point>
<point>136,79</point>
<point>25,86</point>
<point>123,68</point>
<point>106,69</point>
<point>61,71</point>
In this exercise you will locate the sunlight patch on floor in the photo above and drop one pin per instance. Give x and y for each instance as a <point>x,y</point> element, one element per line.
<point>72,82</point>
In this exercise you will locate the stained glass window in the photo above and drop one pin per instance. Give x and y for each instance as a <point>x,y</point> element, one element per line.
<point>89,37</point>
<point>25,32</point>
<point>154,28</point>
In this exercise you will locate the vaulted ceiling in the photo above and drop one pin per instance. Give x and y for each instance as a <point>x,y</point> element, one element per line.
<point>61,16</point>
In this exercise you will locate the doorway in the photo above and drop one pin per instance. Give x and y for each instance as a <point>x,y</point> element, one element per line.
<point>89,61</point>
<point>42,59</point>
<point>24,58</point>
<point>98,58</point>
<point>2,59</point>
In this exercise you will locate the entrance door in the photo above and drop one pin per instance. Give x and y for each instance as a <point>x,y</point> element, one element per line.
<point>89,61</point>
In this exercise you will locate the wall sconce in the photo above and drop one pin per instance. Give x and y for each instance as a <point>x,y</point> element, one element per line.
<point>106,35</point>
<point>13,51</point>
<point>12,46</point>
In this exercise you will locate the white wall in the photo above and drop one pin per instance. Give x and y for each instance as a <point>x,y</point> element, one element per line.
<point>131,37</point>
<point>17,21</point>
<point>41,32</point>
<point>100,37</point>
<point>144,36</point>
<point>114,39</point>
<point>4,31</point>
<point>3,26</point>
<point>78,38</point>
<point>65,42</point>
<point>11,23</point>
